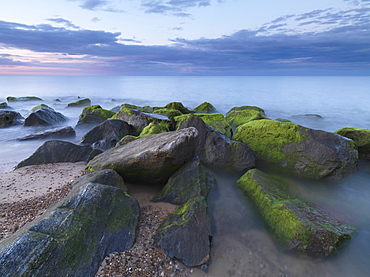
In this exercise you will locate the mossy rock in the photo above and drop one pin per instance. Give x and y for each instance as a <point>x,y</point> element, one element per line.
<point>205,107</point>
<point>25,98</point>
<point>155,128</point>
<point>360,136</point>
<point>9,118</point>
<point>171,113</point>
<point>43,115</point>
<point>146,109</point>
<point>41,107</point>
<point>239,115</point>
<point>80,103</point>
<point>177,106</point>
<point>4,106</point>
<point>126,139</point>
<point>306,152</point>
<point>94,115</point>
<point>216,121</point>
<point>294,223</point>
<point>283,120</point>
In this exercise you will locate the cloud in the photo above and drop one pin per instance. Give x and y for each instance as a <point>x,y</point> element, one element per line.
<point>62,21</point>
<point>173,7</point>
<point>98,5</point>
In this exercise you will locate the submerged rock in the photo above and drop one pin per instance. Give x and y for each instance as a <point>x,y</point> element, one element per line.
<point>151,159</point>
<point>186,234</point>
<point>9,118</point>
<point>217,151</point>
<point>80,103</point>
<point>360,136</point>
<point>310,153</point>
<point>294,223</point>
<point>62,132</point>
<point>43,115</point>
<point>4,106</point>
<point>73,238</point>
<point>107,134</point>
<point>55,151</point>
<point>190,181</point>
<point>25,98</point>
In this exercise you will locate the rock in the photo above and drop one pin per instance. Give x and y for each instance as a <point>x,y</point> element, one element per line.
<point>80,103</point>
<point>26,98</point>
<point>106,177</point>
<point>306,152</point>
<point>177,106</point>
<point>107,134</point>
<point>93,115</point>
<point>190,181</point>
<point>73,238</point>
<point>146,109</point>
<point>55,151</point>
<point>239,115</point>
<point>294,223</point>
<point>9,118</point>
<point>155,128</point>
<point>205,107</point>
<point>4,106</point>
<point>186,234</point>
<point>170,113</point>
<point>140,119</point>
<point>151,159</point>
<point>360,136</point>
<point>43,115</point>
<point>62,132</point>
<point>308,115</point>
<point>217,151</point>
<point>216,121</point>
<point>125,140</point>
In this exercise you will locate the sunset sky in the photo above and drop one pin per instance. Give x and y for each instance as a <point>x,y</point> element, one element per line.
<point>185,37</point>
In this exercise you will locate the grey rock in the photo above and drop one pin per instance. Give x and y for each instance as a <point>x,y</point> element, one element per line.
<point>62,132</point>
<point>43,115</point>
<point>151,159</point>
<point>9,118</point>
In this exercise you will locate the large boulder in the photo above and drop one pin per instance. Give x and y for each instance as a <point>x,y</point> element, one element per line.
<point>43,115</point>
<point>56,151</point>
<point>360,136</point>
<point>140,119</point>
<point>295,224</point>
<point>306,152</point>
<point>217,151</point>
<point>80,103</point>
<point>9,118</point>
<point>62,132</point>
<point>155,128</point>
<point>190,181</point>
<point>107,134</point>
<point>93,115</point>
<point>73,238</point>
<point>151,159</point>
<point>239,115</point>
<point>205,107</point>
<point>186,234</point>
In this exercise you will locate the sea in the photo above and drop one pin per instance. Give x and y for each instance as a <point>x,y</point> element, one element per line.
<point>242,244</point>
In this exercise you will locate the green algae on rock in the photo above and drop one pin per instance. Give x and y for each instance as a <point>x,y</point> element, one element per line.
<point>155,128</point>
<point>360,136</point>
<point>205,107</point>
<point>294,223</point>
<point>186,234</point>
<point>177,106</point>
<point>171,113</point>
<point>25,98</point>
<point>306,152</point>
<point>80,103</point>
<point>239,115</point>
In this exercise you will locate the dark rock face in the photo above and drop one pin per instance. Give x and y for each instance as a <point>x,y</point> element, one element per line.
<point>190,181</point>
<point>306,152</point>
<point>294,223</point>
<point>72,239</point>
<point>93,115</point>
<point>44,116</point>
<point>151,159</point>
<point>107,134</point>
<point>215,150</point>
<point>63,132</point>
<point>9,118</point>
<point>186,234</point>
<point>55,151</point>
<point>360,136</point>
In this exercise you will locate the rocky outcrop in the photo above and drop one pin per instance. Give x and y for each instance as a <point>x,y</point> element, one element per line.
<point>155,128</point>
<point>55,151</point>
<point>73,238</point>
<point>191,181</point>
<point>294,223</point>
<point>4,106</point>
<point>306,152</point>
<point>80,103</point>
<point>43,115</point>
<point>107,134</point>
<point>205,107</point>
<point>56,133</point>
<point>93,115</point>
<point>360,136</point>
<point>239,115</point>
<point>186,234</point>
<point>217,151</point>
<point>151,159</point>
<point>9,118</point>
<point>24,98</point>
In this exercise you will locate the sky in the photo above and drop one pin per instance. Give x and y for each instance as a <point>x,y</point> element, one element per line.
<point>185,37</point>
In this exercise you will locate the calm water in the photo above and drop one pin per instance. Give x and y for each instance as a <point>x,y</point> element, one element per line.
<point>242,245</point>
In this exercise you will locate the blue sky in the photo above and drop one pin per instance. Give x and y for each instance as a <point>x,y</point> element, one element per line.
<point>185,37</point>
